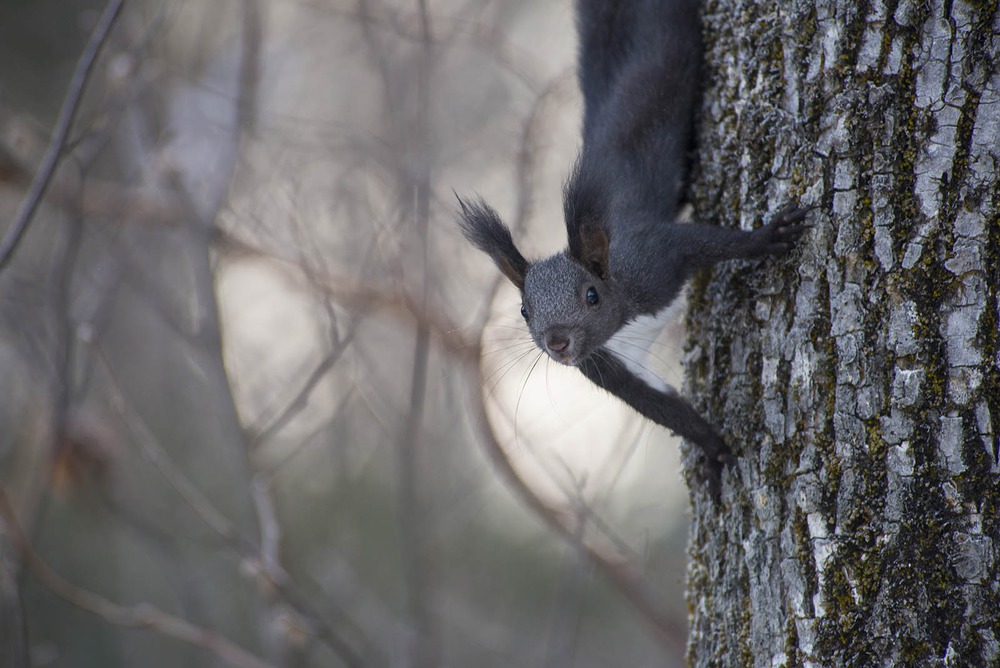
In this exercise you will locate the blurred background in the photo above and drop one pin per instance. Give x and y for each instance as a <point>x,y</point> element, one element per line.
<point>260,403</point>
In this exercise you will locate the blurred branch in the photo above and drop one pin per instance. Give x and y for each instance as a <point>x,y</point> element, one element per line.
<point>607,553</point>
<point>270,528</point>
<point>14,643</point>
<point>610,557</point>
<point>263,555</point>
<point>451,30</point>
<point>141,616</point>
<point>94,197</point>
<point>301,398</point>
<point>343,290</point>
<point>566,612</point>
<point>363,15</point>
<point>156,456</point>
<point>271,420</point>
<point>61,132</point>
<point>409,136</point>
<point>64,342</point>
<point>527,147</point>
<point>273,469</point>
<point>250,66</point>
<point>616,564</point>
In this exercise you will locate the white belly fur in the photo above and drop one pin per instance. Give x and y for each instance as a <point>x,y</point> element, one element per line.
<point>633,342</point>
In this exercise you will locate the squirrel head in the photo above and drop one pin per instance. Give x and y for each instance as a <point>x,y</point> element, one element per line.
<point>568,300</point>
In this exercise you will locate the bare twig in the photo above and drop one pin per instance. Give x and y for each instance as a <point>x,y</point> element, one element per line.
<point>301,398</point>
<point>564,625</point>
<point>350,293</point>
<point>270,573</point>
<point>609,555</point>
<point>528,147</point>
<point>409,135</point>
<point>250,66</point>
<point>63,124</point>
<point>155,454</point>
<point>617,566</point>
<point>270,528</point>
<point>95,197</point>
<point>456,29</point>
<point>272,470</point>
<point>141,616</point>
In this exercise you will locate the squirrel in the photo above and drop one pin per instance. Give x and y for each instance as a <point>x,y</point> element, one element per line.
<point>628,257</point>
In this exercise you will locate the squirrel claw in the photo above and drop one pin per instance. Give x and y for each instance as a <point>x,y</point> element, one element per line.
<point>781,234</point>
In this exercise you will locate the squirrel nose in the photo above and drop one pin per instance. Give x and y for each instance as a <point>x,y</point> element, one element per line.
<point>556,343</point>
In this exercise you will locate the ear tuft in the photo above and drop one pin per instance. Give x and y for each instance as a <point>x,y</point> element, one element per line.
<point>592,250</point>
<point>586,204</point>
<point>482,226</point>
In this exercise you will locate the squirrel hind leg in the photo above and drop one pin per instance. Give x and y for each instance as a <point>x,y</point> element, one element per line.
<point>717,458</point>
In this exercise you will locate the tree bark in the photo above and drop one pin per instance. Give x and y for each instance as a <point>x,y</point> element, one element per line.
<point>858,379</point>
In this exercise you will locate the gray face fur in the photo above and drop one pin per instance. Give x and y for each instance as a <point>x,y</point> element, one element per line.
<point>570,312</point>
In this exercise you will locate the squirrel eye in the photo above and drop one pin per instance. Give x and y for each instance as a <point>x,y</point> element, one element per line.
<point>592,296</point>
<point>524,312</point>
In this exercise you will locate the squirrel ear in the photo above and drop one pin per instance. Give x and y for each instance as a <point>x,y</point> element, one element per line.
<point>482,226</point>
<point>512,272</point>
<point>592,251</point>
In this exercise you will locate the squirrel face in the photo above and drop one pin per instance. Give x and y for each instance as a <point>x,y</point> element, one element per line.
<point>569,300</point>
<point>570,312</point>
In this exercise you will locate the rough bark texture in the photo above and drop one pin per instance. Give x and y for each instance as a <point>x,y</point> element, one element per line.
<point>858,380</point>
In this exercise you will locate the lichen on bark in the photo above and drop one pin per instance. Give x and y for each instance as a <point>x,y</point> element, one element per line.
<point>858,379</point>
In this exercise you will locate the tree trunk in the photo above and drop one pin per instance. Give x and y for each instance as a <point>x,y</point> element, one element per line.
<point>858,379</point>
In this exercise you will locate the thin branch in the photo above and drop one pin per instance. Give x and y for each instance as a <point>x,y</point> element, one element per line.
<point>566,612</point>
<point>345,291</point>
<point>270,527</point>
<point>247,107</point>
<point>452,30</point>
<point>93,197</point>
<point>616,564</point>
<point>141,616</point>
<point>218,523</point>
<point>301,398</point>
<point>607,553</point>
<point>155,454</point>
<point>528,146</point>
<point>272,470</point>
<point>609,558</point>
<point>63,124</point>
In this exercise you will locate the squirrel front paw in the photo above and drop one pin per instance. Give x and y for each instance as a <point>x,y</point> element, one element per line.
<point>781,234</point>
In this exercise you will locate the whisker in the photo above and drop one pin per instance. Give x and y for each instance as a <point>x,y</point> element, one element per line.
<point>503,370</point>
<point>517,345</point>
<point>638,341</point>
<point>654,342</point>
<point>524,384</point>
<point>548,392</point>
<point>673,366</point>
<point>604,354</point>
<point>636,362</point>
<point>518,328</point>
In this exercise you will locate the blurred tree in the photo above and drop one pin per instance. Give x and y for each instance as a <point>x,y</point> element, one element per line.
<point>241,351</point>
<point>859,381</point>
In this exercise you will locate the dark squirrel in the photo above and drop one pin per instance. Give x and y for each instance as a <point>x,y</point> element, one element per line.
<point>639,66</point>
